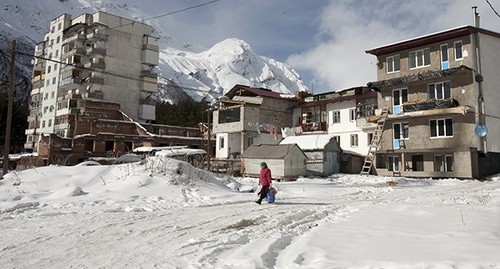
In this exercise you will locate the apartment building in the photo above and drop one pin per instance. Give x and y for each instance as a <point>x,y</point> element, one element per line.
<point>342,114</point>
<point>93,56</point>
<point>441,92</point>
<point>248,116</point>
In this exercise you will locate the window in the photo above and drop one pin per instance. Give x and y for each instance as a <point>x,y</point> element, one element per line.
<point>337,138</point>
<point>354,140</point>
<point>458,50</point>
<point>48,69</point>
<point>393,64</point>
<point>53,80</point>
<point>441,128</point>
<point>439,90</point>
<point>443,163</point>
<point>59,26</point>
<point>393,162</point>
<point>417,162</point>
<point>336,116</point>
<point>221,142</point>
<point>352,114</point>
<point>401,131</point>
<point>109,145</point>
<point>43,124</point>
<point>420,58</point>
<point>370,138</point>
<point>229,115</point>
<point>58,39</point>
<point>444,57</point>
<point>49,123</point>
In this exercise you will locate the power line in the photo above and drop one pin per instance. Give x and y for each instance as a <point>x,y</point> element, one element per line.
<point>107,72</point>
<point>492,8</point>
<point>168,14</point>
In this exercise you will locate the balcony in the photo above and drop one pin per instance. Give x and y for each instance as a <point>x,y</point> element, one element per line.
<point>98,65</point>
<point>96,51</point>
<point>149,84</point>
<point>148,74</point>
<point>97,35</point>
<point>74,51</point>
<point>432,107</point>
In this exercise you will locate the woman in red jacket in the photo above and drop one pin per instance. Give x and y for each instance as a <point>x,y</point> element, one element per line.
<point>265,181</point>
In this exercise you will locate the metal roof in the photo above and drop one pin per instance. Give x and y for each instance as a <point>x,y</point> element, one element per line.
<point>249,91</point>
<point>269,151</point>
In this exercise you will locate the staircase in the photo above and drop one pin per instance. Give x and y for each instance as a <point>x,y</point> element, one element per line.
<point>372,148</point>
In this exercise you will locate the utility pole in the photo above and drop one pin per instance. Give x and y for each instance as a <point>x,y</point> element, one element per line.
<point>10,97</point>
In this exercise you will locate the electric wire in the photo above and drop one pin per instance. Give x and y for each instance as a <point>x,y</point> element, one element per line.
<point>492,8</point>
<point>168,14</point>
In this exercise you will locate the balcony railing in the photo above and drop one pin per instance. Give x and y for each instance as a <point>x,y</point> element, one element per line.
<point>413,106</point>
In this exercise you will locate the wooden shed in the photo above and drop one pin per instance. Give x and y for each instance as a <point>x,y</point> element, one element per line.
<point>287,162</point>
<point>322,151</point>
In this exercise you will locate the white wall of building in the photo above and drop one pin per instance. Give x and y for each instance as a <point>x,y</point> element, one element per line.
<point>227,143</point>
<point>490,66</point>
<point>346,127</point>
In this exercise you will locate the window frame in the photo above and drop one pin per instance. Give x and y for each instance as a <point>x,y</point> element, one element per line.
<point>425,61</point>
<point>444,90</point>
<point>354,140</point>
<point>441,126</point>
<point>442,163</point>
<point>336,116</point>
<point>393,64</point>
<point>455,49</point>
<point>404,133</point>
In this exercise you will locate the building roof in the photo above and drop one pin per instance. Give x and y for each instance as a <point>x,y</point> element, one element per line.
<point>365,95</point>
<point>430,38</point>
<point>269,151</point>
<point>249,91</point>
<point>308,142</point>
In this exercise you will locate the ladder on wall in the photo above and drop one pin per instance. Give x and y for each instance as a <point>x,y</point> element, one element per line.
<point>372,148</point>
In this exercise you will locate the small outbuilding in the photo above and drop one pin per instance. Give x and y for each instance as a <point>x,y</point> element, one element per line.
<point>322,151</point>
<point>287,162</point>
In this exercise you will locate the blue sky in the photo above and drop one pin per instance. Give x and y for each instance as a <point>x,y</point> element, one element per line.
<point>323,40</point>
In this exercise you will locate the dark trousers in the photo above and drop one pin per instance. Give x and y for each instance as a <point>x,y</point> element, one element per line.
<point>263,193</point>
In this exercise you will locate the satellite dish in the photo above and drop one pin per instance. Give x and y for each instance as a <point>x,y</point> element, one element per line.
<point>481,130</point>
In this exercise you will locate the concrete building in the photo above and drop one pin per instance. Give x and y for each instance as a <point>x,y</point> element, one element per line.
<point>441,91</point>
<point>249,116</point>
<point>342,114</point>
<point>93,56</point>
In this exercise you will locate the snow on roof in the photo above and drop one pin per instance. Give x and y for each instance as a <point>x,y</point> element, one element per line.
<point>308,142</point>
<point>267,151</point>
<point>180,152</point>
<point>152,149</point>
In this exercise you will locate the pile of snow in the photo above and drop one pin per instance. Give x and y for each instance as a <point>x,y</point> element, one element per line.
<point>164,213</point>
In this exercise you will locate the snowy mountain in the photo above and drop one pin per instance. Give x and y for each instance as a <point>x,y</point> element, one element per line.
<point>185,70</point>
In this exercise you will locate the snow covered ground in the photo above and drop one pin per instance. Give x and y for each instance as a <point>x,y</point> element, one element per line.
<point>162,213</point>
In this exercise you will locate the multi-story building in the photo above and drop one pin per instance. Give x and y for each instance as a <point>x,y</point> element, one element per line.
<point>250,116</point>
<point>93,56</point>
<point>342,114</point>
<point>441,93</point>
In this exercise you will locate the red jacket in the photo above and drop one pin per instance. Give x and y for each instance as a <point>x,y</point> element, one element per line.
<point>265,177</point>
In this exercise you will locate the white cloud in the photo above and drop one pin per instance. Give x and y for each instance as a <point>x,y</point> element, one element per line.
<point>349,28</point>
